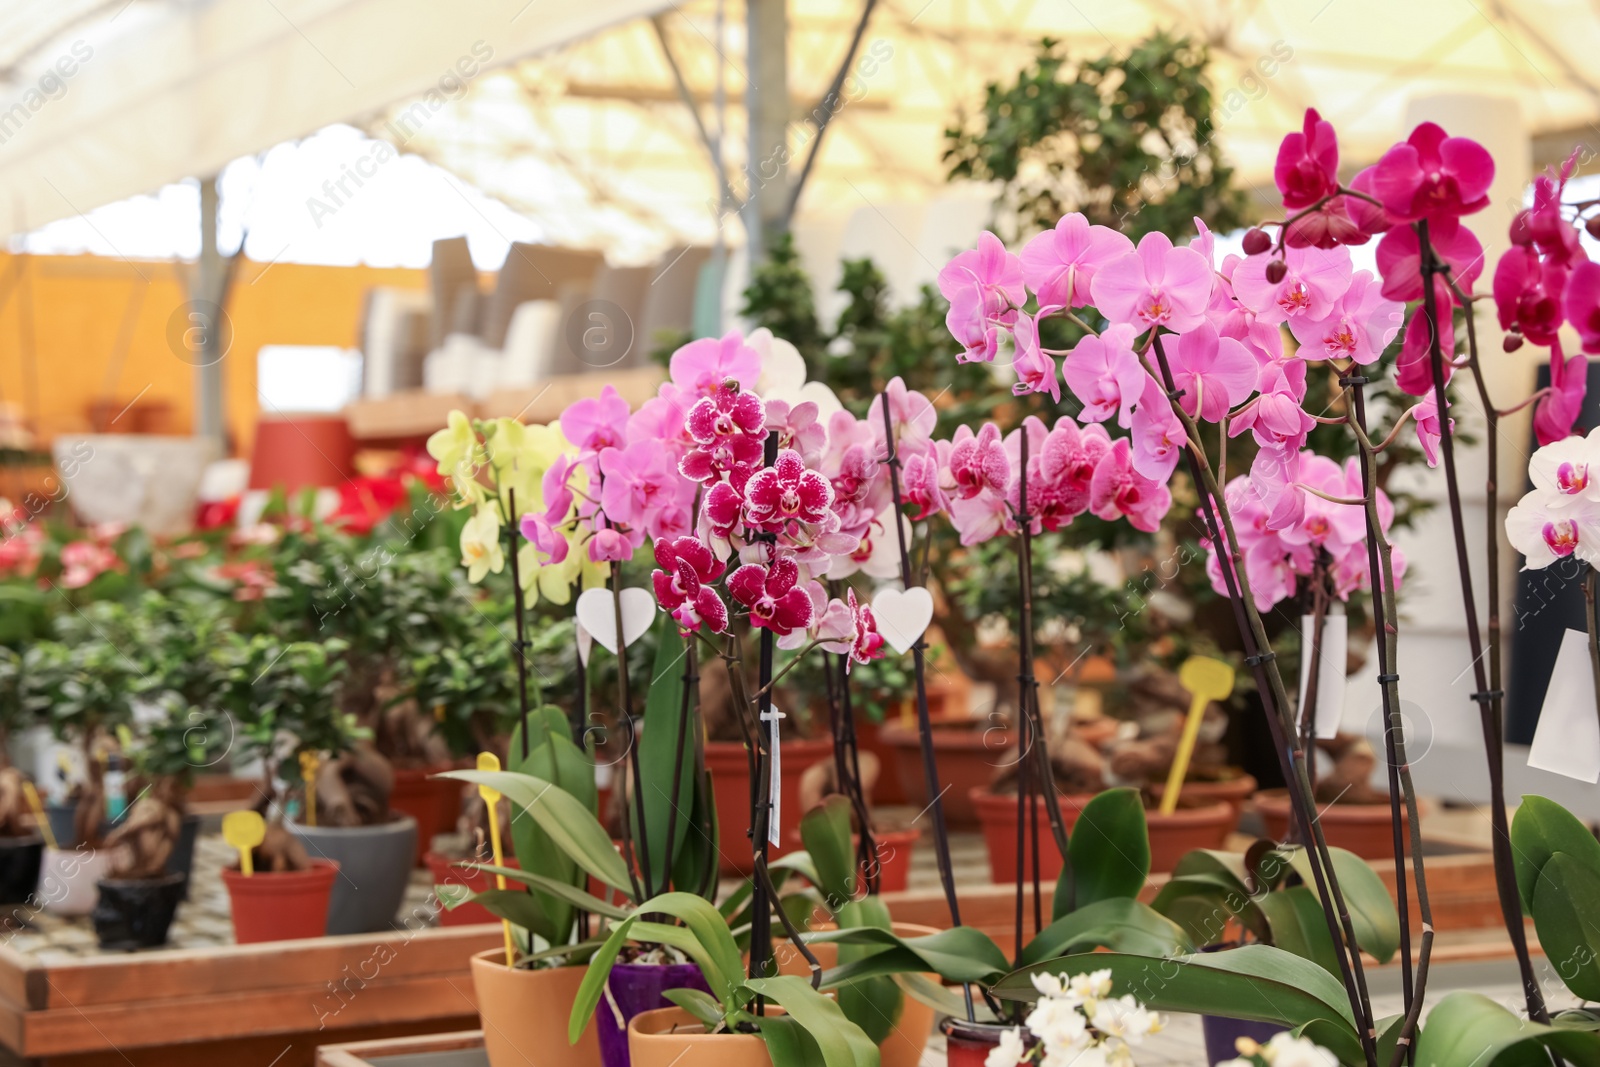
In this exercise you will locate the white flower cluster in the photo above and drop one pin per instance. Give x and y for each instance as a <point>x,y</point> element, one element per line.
<point>1284,1050</point>
<point>1077,1022</point>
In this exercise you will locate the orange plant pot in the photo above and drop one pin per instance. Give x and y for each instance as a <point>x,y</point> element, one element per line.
<point>894,849</point>
<point>671,1036</point>
<point>280,905</point>
<point>1237,791</point>
<point>448,871</point>
<point>1365,829</point>
<point>730,783</point>
<point>997,814</point>
<point>969,754</point>
<point>419,797</point>
<point>1201,826</point>
<point>525,1014</point>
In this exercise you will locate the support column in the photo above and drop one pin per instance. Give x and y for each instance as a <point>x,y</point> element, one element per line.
<point>767,106</point>
<point>205,300</point>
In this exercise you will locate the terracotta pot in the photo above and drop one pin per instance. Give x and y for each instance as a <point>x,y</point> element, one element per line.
<point>730,782</point>
<point>969,754</point>
<point>447,870</point>
<point>1365,829</point>
<point>1236,791</point>
<point>997,813</point>
<point>671,1036</point>
<point>903,1047</point>
<point>1201,826</point>
<point>889,788</point>
<point>894,849</point>
<point>280,905</point>
<point>417,795</point>
<point>525,1014</point>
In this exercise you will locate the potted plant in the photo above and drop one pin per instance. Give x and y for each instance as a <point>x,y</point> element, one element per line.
<point>281,893</point>
<point>22,847</point>
<point>335,791</point>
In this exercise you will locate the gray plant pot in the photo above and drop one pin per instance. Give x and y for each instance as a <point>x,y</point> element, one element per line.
<point>374,868</point>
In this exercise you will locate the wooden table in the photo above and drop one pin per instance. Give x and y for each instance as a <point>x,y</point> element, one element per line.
<point>263,1004</point>
<point>461,1049</point>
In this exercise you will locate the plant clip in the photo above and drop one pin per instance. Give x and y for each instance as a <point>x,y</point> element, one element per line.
<point>1385,679</point>
<point>1176,395</point>
<point>1354,379</point>
<point>1488,695</point>
<point>1259,658</point>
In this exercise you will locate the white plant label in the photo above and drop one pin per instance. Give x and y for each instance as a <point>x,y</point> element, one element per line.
<point>902,615</point>
<point>775,792</point>
<point>1567,740</point>
<point>1330,670</point>
<point>597,613</point>
<point>585,643</point>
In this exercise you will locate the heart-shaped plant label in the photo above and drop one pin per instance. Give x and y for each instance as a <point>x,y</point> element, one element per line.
<point>597,613</point>
<point>902,615</point>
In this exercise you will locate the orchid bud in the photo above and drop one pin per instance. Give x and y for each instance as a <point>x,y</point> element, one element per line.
<point>731,384</point>
<point>1593,226</point>
<point>1256,241</point>
<point>1276,270</point>
<point>1512,342</point>
<point>1521,230</point>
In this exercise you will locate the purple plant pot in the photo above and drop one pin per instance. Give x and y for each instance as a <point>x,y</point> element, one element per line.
<point>638,987</point>
<point>1222,1032</point>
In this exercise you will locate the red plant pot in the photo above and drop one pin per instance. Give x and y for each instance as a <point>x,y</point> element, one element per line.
<point>448,871</point>
<point>969,1044</point>
<point>280,905</point>
<point>997,813</point>
<point>1236,791</point>
<point>969,754</point>
<point>889,789</point>
<point>730,782</point>
<point>1365,829</point>
<point>418,795</point>
<point>1201,826</point>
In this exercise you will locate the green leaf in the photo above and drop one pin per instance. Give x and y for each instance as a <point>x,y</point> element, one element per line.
<point>1564,916</point>
<point>1372,912</point>
<point>939,998</point>
<point>666,719</point>
<point>788,1044</point>
<point>1297,923</point>
<point>1254,982</point>
<point>1203,904</point>
<point>710,929</point>
<point>697,1002</point>
<point>571,826</point>
<point>1470,1030</point>
<point>1119,924</point>
<point>825,831</point>
<point>874,1004</point>
<point>1542,828</point>
<point>593,984</point>
<point>576,897</point>
<point>518,908</point>
<point>695,869</point>
<point>960,954</point>
<point>1110,849</point>
<point>554,758</point>
<point>840,1041</point>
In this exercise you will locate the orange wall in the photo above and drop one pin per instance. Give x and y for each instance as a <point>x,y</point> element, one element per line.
<point>80,311</point>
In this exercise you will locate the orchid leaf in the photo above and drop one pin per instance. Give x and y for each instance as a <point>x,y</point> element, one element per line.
<point>1119,924</point>
<point>1110,850</point>
<point>1467,1029</point>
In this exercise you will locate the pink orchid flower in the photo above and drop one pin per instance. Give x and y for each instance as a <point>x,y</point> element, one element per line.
<point>661,419</point>
<point>1155,285</point>
<point>1158,434</point>
<point>1215,373</point>
<point>683,585</point>
<point>919,482</point>
<point>773,596</point>
<point>1067,463</point>
<point>1414,368</point>
<point>1528,295</point>
<point>1432,174</point>
<point>611,546</point>
<point>1565,469</point>
<point>1582,301</point>
<point>1118,490</point>
<point>548,544</point>
<point>1545,530</point>
<point>1400,257</point>
<point>1359,327</point>
<point>1307,168</point>
<point>1105,374</point>
<point>785,493</point>
<point>638,481</point>
<point>1558,409</point>
<point>728,428</point>
<point>1275,417</point>
<point>1059,264</point>
<point>979,518</point>
<point>1325,524</point>
<point>1426,414</point>
<point>1036,371</point>
<point>977,463</point>
<point>701,367</point>
<point>910,413</point>
<point>596,423</point>
<point>797,428</point>
<point>1314,280</point>
<point>849,629</point>
<point>984,287</point>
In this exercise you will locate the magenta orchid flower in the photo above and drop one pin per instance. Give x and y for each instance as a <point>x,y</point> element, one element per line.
<point>1307,169</point>
<point>701,367</point>
<point>1156,285</point>
<point>683,585</point>
<point>1400,257</point>
<point>1117,490</point>
<point>786,493</point>
<point>977,463</point>
<point>1360,326</point>
<point>1215,373</point>
<point>609,545</point>
<point>1059,264</point>
<point>549,545</point>
<point>1105,374</point>
<point>1432,174</point>
<point>773,596</point>
<point>595,424</point>
<point>919,482</point>
<point>1314,280</point>
<point>1426,414</point>
<point>1558,409</point>
<point>1528,296</point>
<point>1414,368</point>
<point>641,481</point>
<point>1275,417</point>
<point>728,428</point>
<point>1582,302</point>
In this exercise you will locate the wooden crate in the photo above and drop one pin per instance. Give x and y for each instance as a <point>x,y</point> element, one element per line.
<point>461,1049</point>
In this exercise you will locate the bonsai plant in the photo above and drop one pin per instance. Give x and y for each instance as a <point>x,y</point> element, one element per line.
<point>21,844</point>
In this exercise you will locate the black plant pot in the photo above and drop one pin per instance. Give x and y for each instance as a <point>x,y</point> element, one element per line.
<point>19,867</point>
<point>182,859</point>
<point>1221,1034</point>
<point>135,913</point>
